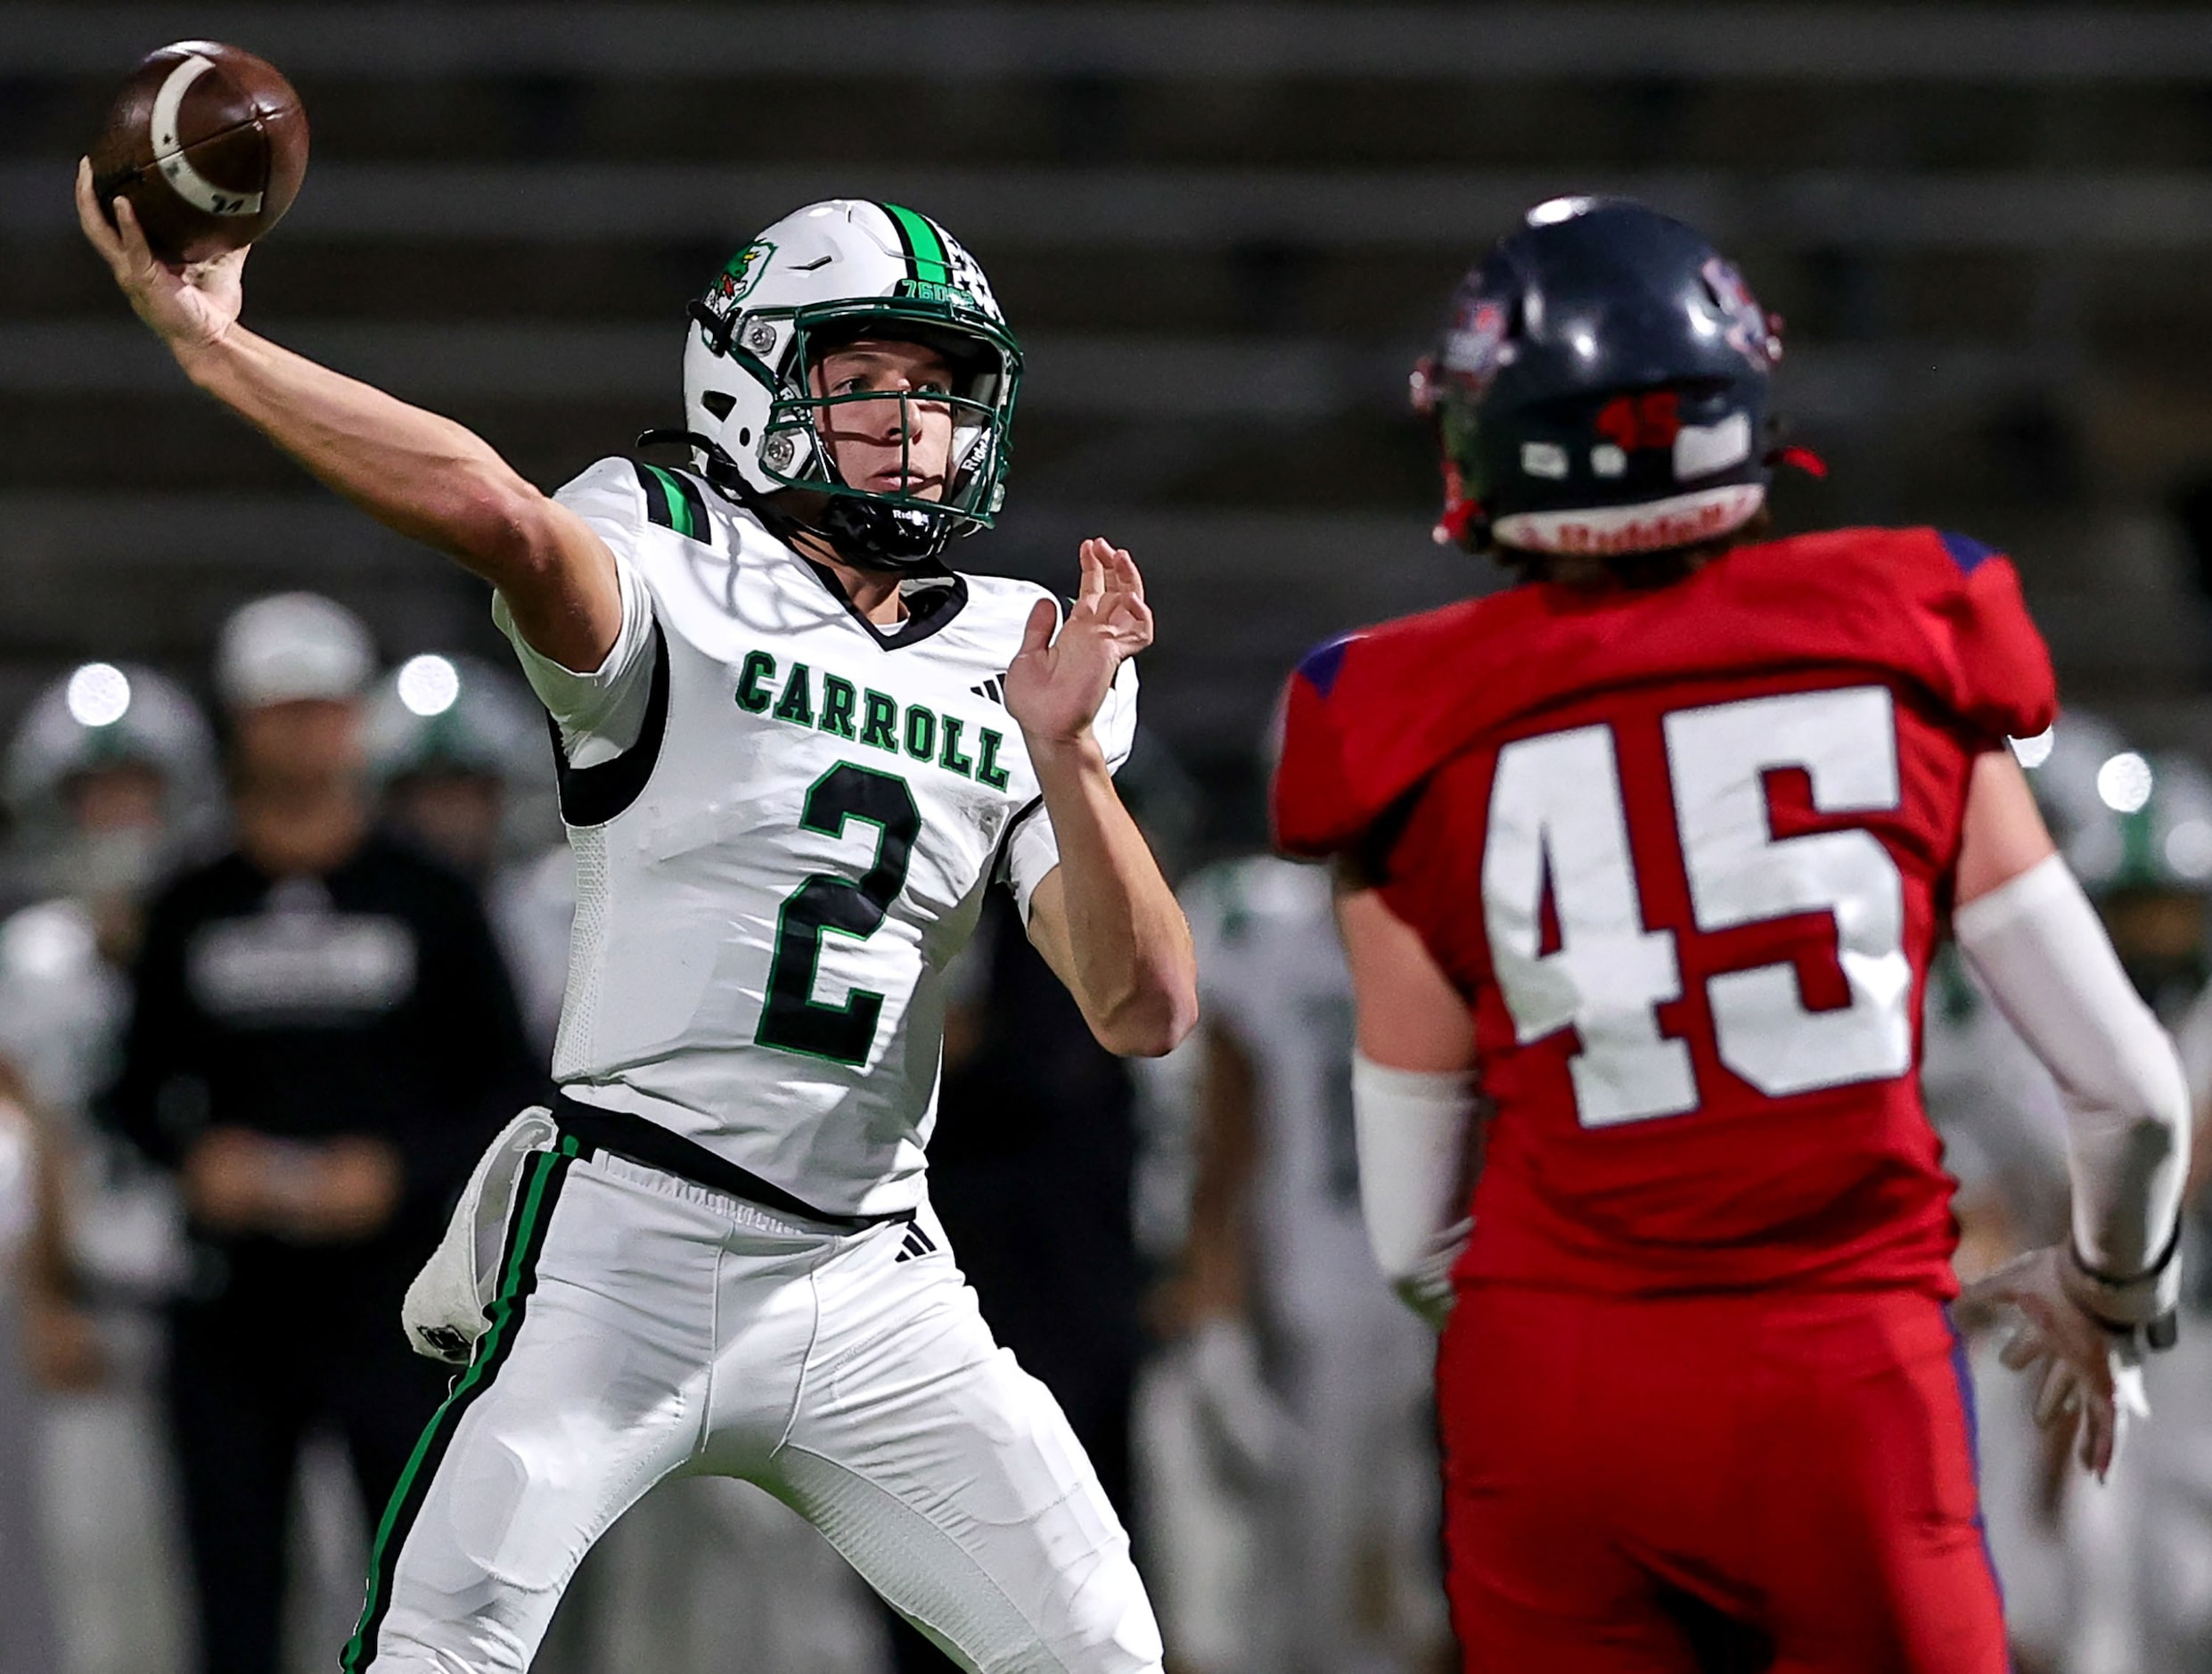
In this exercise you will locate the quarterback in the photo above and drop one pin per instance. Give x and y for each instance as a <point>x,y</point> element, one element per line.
<point>794,748</point>
<point>1651,851</point>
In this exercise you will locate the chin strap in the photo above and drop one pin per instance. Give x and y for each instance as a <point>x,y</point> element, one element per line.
<point>1799,459</point>
<point>1464,523</point>
<point>721,469</point>
<point>722,472</point>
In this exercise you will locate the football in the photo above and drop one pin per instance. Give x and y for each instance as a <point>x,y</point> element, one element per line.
<point>209,144</point>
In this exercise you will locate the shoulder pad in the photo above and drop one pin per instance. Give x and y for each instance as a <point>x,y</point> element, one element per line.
<point>620,498</point>
<point>1366,717</point>
<point>606,489</point>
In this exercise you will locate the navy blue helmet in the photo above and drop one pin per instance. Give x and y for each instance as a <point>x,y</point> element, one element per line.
<point>1601,388</point>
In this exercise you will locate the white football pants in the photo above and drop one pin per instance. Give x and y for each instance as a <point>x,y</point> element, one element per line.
<point>647,1327</point>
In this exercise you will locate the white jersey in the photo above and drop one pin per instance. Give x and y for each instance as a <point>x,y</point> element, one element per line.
<point>62,1011</point>
<point>1272,975</point>
<point>784,820</point>
<point>61,1005</point>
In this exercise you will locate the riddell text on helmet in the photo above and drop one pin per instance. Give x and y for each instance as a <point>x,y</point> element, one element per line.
<point>1653,526</point>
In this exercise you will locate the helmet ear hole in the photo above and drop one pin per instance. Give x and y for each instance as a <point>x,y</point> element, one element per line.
<point>719,402</point>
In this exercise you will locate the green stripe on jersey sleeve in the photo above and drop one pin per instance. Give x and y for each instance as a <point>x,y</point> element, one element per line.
<point>673,503</point>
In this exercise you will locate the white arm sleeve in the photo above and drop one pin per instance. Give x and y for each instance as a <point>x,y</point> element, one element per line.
<point>1034,850</point>
<point>1416,1132</point>
<point>600,712</point>
<point>2039,946</point>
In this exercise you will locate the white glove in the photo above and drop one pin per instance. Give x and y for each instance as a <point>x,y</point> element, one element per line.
<point>1233,1397</point>
<point>2091,1367</point>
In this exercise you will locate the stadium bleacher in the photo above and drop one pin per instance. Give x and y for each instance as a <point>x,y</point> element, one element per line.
<point>1222,232</point>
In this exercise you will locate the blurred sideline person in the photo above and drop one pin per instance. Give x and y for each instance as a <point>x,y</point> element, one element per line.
<point>322,1036</point>
<point>797,751</point>
<point>112,779</point>
<point>1318,1384</point>
<point>2140,1546</point>
<point>2113,1578</point>
<point>2003,1122</point>
<point>457,750</point>
<point>1646,852</point>
<point>27,1643</point>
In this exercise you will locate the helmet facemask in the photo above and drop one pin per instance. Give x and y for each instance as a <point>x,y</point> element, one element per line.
<point>899,529</point>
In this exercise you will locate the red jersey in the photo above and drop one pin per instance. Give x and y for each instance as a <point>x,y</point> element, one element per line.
<point>1686,850</point>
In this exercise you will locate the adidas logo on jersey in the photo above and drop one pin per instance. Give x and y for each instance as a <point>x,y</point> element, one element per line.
<point>830,704</point>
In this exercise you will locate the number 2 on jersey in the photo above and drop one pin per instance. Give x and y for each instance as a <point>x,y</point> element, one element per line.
<point>1557,821</point>
<point>792,1020</point>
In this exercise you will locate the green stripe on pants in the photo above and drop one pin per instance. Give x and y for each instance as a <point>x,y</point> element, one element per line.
<point>526,1238</point>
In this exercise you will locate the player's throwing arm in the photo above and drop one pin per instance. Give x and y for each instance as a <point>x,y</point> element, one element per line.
<point>422,475</point>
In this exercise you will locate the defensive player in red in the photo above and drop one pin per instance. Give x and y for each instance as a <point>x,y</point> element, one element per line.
<point>1647,855</point>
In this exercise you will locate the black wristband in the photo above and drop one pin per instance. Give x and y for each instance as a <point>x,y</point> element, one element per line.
<point>2165,1259</point>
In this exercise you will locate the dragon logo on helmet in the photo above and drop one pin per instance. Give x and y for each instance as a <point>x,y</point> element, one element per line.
<point>743,272</point>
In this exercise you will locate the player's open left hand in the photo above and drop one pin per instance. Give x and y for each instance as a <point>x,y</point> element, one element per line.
<point>188,308</point>
<point>1057,683</point>
<point>2091,1372</point>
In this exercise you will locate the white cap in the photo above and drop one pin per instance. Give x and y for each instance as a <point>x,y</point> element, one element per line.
<point>289,646</point>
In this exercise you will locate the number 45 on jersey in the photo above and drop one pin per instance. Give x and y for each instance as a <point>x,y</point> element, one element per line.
<point>1557,818</point>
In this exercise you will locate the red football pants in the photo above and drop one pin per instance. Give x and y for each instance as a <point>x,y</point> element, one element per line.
<point>1778,1483</point>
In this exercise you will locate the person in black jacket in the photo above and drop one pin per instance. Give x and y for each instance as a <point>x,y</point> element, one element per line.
<point>322,1038</point>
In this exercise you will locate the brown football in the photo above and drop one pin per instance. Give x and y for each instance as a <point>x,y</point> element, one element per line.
<point>208,143</point>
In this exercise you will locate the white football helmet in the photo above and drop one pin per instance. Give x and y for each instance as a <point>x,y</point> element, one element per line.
<point>820,276</point>
<point>98,715</point>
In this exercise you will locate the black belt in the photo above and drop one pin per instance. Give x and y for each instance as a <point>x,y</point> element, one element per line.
<point>653,1147</point>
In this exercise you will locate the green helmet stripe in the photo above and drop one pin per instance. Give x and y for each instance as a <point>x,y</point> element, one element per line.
<point>925,250</point>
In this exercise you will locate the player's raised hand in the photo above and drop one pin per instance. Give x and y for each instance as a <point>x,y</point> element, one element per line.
<point>1057,683</point>
<point>2091,1373</point>
<point>188,307</point>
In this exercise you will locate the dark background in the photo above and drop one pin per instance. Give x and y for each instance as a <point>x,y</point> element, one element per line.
<point>1222,232</point>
